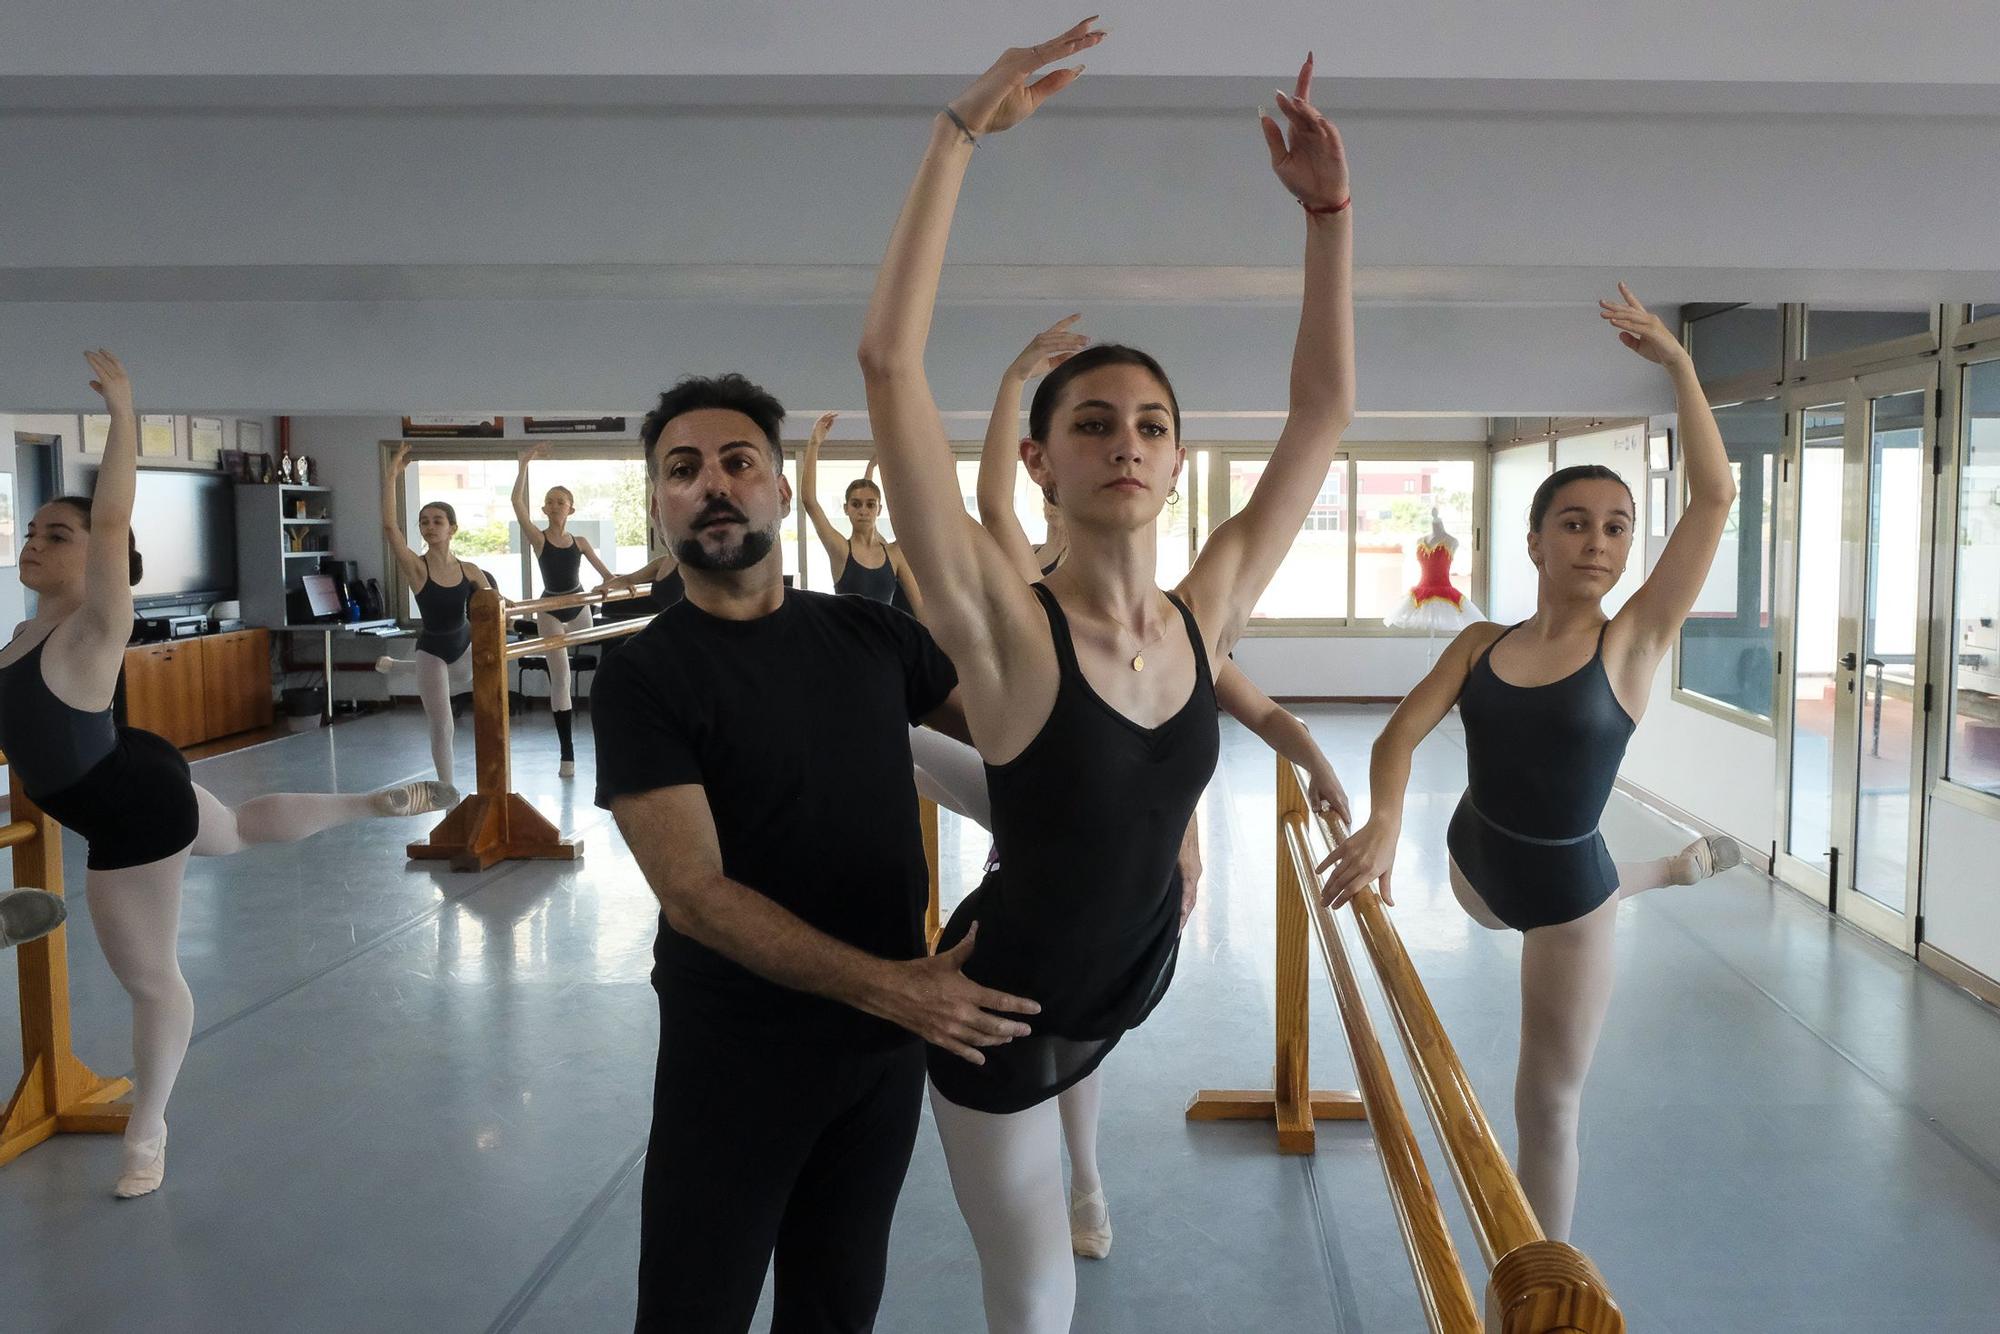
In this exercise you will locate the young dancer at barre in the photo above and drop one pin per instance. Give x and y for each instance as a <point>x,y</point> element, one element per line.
<point>1088,695</point>
<point>443,586</point>
<point>1548,706</point>
<point>128,792</point>
<point>951,774</point>
<point>887,579</point>
<point>561,564</point>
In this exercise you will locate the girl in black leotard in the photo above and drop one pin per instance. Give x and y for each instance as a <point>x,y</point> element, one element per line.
<point>127,792</point>
<point>1548,706</point>
<point>1089,695</point>
<point>856,569</point>
<point>443,586</point>
<point>561,564</point>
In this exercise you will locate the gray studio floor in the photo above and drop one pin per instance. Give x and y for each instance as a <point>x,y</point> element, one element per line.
<point>417,1101</point>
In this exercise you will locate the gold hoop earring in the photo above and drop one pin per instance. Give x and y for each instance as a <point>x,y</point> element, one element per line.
<point>1174,496</point>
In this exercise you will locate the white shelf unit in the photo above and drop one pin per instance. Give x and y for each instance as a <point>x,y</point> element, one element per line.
<point>269,518</point>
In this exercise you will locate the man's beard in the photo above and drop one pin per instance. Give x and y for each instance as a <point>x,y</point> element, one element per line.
<point>756,544</point>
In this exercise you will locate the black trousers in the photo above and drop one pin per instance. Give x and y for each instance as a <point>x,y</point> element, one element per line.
<point>758,1149</point>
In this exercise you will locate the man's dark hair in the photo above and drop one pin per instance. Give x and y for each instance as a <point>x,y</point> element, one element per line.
<point>1042,408</point>
<point>731,392</point>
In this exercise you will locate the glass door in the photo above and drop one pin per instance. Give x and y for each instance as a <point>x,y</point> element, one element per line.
<point>1857,668</point>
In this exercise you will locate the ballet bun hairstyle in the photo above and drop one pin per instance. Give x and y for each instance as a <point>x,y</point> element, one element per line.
<point>1545,494</point>
<point>1042,409</point>
<point>567,494</point>
<point>443,507</point>
<point>136,565</point>
<point>860,484</point>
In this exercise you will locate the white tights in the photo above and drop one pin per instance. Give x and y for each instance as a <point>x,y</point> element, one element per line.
<point>548,623</point>
<point>136,913</point>
<point>1567,975</point>
<point>436,682</point>
<point>1006,1172</point>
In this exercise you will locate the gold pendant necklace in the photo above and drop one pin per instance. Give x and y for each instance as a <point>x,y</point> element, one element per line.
<point>1139,658</point>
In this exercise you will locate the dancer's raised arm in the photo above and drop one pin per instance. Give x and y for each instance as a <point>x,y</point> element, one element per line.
<point>829,536</point>
<point>1653,615</point>
<point>530,530</point>
<point>1000,456</point>
<point>107,573</point>
<point>411,564</point>
<point>977,604</point>
<point>1244,552</point>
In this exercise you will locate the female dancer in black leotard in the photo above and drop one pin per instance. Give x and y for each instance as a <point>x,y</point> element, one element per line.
<point>882,580</point>
<point>561,564</point>
<point>128,792</point>
<point>1548,706</point>
<point>443,586</point>
<point>1089,694</point>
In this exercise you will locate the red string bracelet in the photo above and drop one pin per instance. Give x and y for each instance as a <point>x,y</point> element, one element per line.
<point>1329,211</point>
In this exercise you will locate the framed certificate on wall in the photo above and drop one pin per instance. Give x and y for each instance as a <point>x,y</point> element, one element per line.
<point>156,436</point>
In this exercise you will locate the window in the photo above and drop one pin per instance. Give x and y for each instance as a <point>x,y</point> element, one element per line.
<point>1312,583</point>
<point>1727,641</point>
<point>1516,474</point>
<point>1394,504</point>
<point>478,491</point>
<point>611,508</point>
<point>1973,759</point>
<point>1736,342</point>
<point>1832,330</point>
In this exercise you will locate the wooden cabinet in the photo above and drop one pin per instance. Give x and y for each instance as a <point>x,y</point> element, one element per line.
<point>194,690</point>
<point>236,681</point>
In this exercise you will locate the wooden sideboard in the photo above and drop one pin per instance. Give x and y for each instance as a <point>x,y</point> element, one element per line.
<point>195,690</point>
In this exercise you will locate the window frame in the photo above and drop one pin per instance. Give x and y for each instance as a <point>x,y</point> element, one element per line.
<point>1947,529</point>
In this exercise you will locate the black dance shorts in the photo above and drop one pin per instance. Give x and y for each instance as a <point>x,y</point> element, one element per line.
<point>135,806</point>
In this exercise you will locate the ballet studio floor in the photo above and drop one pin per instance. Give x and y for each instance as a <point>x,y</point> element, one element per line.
<point>418,1100</point>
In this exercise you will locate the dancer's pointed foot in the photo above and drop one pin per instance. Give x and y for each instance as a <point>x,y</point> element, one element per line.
<point>144,1168</point>
<point>385,664</point>
<point>1705,857</point>
<point>29,914</point>
<point>416,798</point>
<point>1090,1225</point>
<point>566,769</point>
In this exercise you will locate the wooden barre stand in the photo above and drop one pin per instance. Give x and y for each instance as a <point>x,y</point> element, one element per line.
<point>58,1094</point>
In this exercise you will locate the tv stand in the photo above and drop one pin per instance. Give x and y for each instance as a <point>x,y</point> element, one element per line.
<point>197,689</point>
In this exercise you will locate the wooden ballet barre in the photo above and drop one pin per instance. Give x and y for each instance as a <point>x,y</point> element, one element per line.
<point>1441,1284</point>
<point>57,1094</point>
<point>495,823</point>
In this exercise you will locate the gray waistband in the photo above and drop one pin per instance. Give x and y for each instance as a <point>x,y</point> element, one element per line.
<point>1527,838</point>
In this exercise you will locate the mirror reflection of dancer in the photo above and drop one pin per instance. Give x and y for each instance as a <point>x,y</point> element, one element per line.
<point>128,792</point>
<point>561,564</point>
<point>1080,1104</point>
<point>1088,695</point>
<point>856,569</point>
<point>1548,706</point>
<point>443,586</point>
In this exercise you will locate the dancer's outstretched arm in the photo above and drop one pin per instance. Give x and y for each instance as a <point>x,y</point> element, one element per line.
<point>1244,552</point>
<point>1370,851</point>
<point>596,561</point>
<point>96,637</point>
<point>530,530</point>
<point>651,572</point>
<point>1284,733</point>
<point>1000,456</point>
<point>829,536</point>
<point>1653,615</point>
<point>977,605</point>
<point>408,561</point>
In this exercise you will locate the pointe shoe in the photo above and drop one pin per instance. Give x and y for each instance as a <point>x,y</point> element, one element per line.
<point>1706,857</point>
<point>1090,1225</point>
<point>29,914</point>
<point>385,664</point>
<point>416,798</point>
<point>144,1168</point>
<point>567,769</point>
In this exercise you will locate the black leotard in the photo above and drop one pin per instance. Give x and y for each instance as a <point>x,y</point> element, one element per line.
<point>1540,762</point>
<point>877,582</point>
<point>447,628</point>
<point>560,568</point>
<point>1083,914</point>
<point>133,798</point>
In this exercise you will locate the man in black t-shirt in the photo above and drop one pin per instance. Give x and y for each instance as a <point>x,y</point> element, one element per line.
<point>753,744</point>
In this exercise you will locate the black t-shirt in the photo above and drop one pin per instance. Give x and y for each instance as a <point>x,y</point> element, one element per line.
<point>797,724</point>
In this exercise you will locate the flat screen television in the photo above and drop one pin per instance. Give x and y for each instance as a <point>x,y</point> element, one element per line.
<point>185,525</point>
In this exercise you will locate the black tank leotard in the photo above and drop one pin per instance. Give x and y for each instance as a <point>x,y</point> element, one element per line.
<point>447,628</point>
<point>560,568</point>
<point>127,792</point>
<point>1540,762</point>
<point>878,582</point>
<point>1083,914</point>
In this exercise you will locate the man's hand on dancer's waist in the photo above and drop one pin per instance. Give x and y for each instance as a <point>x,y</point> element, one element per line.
<point>934,999</point>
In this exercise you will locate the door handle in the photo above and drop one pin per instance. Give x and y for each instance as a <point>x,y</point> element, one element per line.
<point>1847,661</point>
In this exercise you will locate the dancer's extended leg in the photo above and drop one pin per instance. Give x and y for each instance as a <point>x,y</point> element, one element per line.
<point>1081,1104</point>
<point>1567,973</point>
<point>1692,864</point>
<point>136,913</point>
<point>1006,1172</point>
<point>286,817</point>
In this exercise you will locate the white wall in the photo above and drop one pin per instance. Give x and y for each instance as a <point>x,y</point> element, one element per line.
<point>1713,769</point>
<point>1961,891</point>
